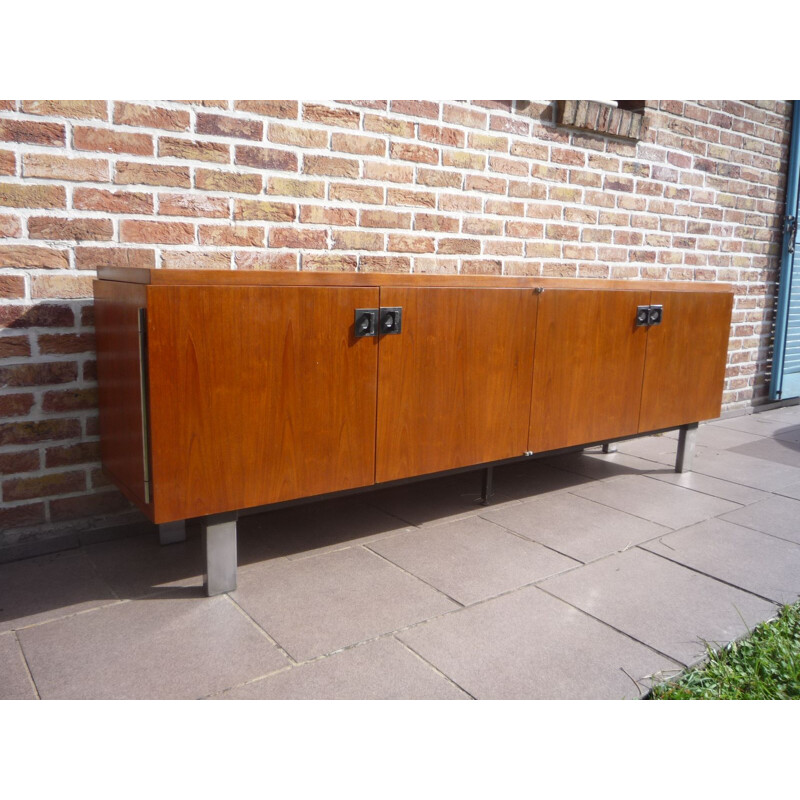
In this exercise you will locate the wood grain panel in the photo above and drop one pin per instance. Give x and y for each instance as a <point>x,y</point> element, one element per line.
<point>587,377</point>
<point>116,310</point>
<point>454,386</point>
<point>258,395</point>
<point>686,358</point>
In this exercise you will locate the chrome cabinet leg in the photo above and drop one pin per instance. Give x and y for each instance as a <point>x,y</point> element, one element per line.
<point>686,442</point>
<point>610,447</point>
<point>219,544</point>
<point>172,532</point>
<point>488,488</point>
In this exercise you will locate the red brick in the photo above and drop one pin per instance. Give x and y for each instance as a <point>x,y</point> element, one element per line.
<point>58,343</point>
<point>529,189</point>
<point>119,202</point>
<point>329,262</point>
<point>43,486</point>
<point>543,211</point>
<point>479,183</point>
<point>357,240</point>
<point>541,152</point>
<point>19,195</point>
<point>509,166</point>
<point>294,187</point>
<point>191,259</point>
<point>409,197</point>
<point>482,226</point>
<point>384,219</point>
<point>459,246</point>
<point>8,162</point>
<point>33,432</point>
<point>78,229</point>
<point>151,117</point>
<point>192,205</point>
<point>133,172</point>
<point>481,266</point>
<point>66,455</point>
<point>503,247</point>
<point>393,173</point>
<point>39,374</point>
<point>384,264</point>
<point>62,287</point>
<point>29,256</point>
<point>28,132</point>
<point>194,150</point>
<point>21,516</point>
<point>509,125</point>
<point>36,165</point>
<point>439,177</point>
<point>231,235</point>
<point>264,209</point>
<point>298,237</point>
<point>284,109</point>
<point>95,257</point>
<point>320,215</point>
<point>325,165</point>
<point>73,109</point>
<point>99,503</point>
<point>23,461</point>
<point>61,400</point>
<point>460,202</point>
<point>40,316</point>
<point>266,158</point>
<point>483,141</point>
<point>404,243</point>
<point>338,117</point>
<point>12,287</point>
<point>380,105</point>
<point>415,108</point>
<point>357,193</point>
<point>134,230</point>
<point>297,136</point>
<point>435,222</point>
<point>218,181</point>
<point>506,208</point>
<point>362,145</point>
<point>464,116</point>
<point>107,141</point>
<point>452,137</point>
<point>565,232</point>
<point>10,228</point>
<point>236,128</point>
<point>525,230</point>
<point>263,259</point>
<point>414,152</point>
<point>392,126</point>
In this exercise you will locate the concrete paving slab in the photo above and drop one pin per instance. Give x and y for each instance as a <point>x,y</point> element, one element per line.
<point>746,470</point>
<point>778,516</point>
<point>662,503</point>
<point>471,559</point>
<point>595,465</point>
<point>529,645</point>
<point>667,606</point>
<point>40,589</point>
<point>781,451</point>
<point>718,437</point>
<point>312,528</point>
<point>793,490</point>
<point>15,683</point>
<point>139,565</point>
<point>748,559</point>
<point>533,478</point>
<point>760,424</point>
<point>660,448</point>
<point>313,606</point>
<point>382,669</point>
<point>153,648</point>
<point>577,527</point>
<point>716,487</point>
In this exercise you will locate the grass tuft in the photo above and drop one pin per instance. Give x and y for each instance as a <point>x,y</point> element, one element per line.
<point>763,666</point>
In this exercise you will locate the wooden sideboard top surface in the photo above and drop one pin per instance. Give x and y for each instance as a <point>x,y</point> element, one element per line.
<point>202,277</point>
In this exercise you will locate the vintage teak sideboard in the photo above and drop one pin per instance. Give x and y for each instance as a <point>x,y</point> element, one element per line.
<point>221,391</point>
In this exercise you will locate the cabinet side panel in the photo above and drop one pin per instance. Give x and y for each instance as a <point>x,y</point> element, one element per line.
<point>686,358</point>
<point>454,385</point>
<point>587,374</point>
<point>116,310</point>
<point>258,395</point>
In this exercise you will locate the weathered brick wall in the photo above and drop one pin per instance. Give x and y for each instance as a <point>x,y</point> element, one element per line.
<point>471,187</point>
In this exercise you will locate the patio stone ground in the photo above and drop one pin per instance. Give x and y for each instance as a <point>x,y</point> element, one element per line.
<point>589,576</point>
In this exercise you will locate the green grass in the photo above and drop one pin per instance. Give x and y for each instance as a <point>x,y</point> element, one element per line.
<point>763,666</point>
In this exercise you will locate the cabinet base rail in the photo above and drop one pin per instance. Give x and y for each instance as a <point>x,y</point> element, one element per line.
<point>219,530</point>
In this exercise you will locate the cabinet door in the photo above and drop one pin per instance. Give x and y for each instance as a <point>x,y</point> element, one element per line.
<point>258,395</point>
<point>587,375</point>
<point>454,386</point>
<point>686,357</point>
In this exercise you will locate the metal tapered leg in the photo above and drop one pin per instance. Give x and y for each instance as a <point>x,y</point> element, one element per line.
<point>610,447</point>
<point>219,544</point>
<point>172,532</point>
<point>488,490</point>
<point>686,442</point>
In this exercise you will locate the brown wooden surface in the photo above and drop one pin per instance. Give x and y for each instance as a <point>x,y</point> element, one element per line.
<point>686,358</point>
<point>258,395</point>
<point>454,386</point>
<point>587,377</point>
<point>190,277</point>
<point>116,311</point>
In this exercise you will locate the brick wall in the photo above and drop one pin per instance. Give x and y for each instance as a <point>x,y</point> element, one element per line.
<point>472,187</point>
